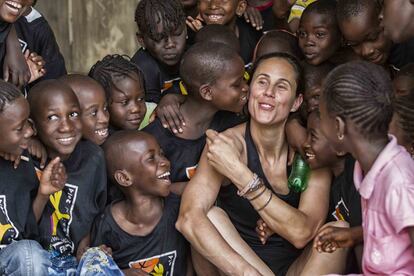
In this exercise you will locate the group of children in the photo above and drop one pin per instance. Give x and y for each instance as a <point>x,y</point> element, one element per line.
<point>82,191</point>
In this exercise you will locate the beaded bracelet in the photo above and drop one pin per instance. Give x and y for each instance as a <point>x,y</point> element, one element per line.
<point>267,202</point>
<point>252,186</point>
<point>257,196</point>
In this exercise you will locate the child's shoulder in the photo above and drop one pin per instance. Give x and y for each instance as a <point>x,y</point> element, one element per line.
<point>145,61</point>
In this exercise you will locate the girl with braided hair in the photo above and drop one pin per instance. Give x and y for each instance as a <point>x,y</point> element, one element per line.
<point>356,110</point>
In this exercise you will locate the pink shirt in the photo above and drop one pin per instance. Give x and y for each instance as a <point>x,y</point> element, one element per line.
<point>387,203</point>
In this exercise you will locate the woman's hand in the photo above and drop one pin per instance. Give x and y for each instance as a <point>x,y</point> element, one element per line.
<point>263,231</point>
<point>224,154</point>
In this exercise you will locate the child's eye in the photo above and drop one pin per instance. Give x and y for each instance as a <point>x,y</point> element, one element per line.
<point>301,34</point>
<point>94,112</point>
<point>320,34</point>
<point>140,99</point>
<point>74,114</point>
<point>52,117</point>
<point>124,102</point>
<point>105,108</point>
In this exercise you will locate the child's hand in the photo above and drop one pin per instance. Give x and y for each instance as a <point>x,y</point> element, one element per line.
<point>106,249</point>
<point>36,65</point>
<point>263,231</point>
<point>37,149</point>
<point>331,238</point>
<point>168,111</point>
<point>254,17</point>
<point>15,159</point>
<point>194,24</point>
<point>15,69</point>
<point>53,178</point>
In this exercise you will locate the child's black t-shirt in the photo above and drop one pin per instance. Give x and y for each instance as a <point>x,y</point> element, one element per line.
<point>402,54</point>
<point>248,38</point>
<point>184,154</point>
<point>35,34</point>
<point>18,188</point>
<point>345,201</point>
<point>157,78</point>
<point>69,214</point>
<point>4,32</point>
<point>164,250</point>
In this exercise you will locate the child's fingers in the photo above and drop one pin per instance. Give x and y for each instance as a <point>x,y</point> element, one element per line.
<point>17,161</point>
<point>26,54</point>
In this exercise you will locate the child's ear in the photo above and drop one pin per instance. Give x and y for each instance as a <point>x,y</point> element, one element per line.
<point>33,126</point>
<point>241,7</point>
<point>297,103</point>
<point>205,92</point>
<point>340,126</point>
<point>123,178</point>
<point>140,39</point>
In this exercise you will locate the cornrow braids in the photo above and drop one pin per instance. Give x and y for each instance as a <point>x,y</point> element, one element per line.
<point>8,94</point>
<point>113,68</point>
<point>360,92</point>
<point>150,15</point>
<point>404,108</point>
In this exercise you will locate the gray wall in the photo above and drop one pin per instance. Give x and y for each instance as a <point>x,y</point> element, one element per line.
<point>87,30</point>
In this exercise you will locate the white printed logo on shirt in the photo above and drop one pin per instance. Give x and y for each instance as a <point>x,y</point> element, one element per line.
<point>8,232</point>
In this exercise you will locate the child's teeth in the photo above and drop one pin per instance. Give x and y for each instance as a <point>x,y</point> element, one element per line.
<point>102,132</point>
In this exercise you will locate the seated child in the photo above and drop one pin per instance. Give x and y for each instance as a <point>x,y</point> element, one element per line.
<point>404,80</point>
<point>314,77</point>
<point>226,13</point>
<point>162,34</point>
<point>123,83</point>
<point>67,218</point>
<point>140,229</point>
<point>360,24</point>
<point>345,201</point>
<point>318,33</point>
<point>213,75</point>
<point>36,35</point>
<point>277,41</point>
<point>22,198</point>
<point>356,111</point>
<point>402,121</point>
<point>93,105</point>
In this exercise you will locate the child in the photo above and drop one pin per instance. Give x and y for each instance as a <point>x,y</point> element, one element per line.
<point>319,35</point>
<point>314,77</point>
<point>162,33</point>
<point>22,198</point>
<point>277,41</point>
<point>402,121</point>
<point>123,83</point>
<point>213,75</point>
<point>68,216</point>
<point>190,7</point>
<point>367,37</point>
<point>296,11</point>
<point>140,229</point>
<point>356,111</point>
<point>35,34</point>
<point>93,105</point>
<point>398,23</point>
<point>226,13</point>
<point>404,80</point>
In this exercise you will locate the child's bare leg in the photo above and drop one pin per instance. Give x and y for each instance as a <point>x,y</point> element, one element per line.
<point>311,262</point>
<point>226,228</point>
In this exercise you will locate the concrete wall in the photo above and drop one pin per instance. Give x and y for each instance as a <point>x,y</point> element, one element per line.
<point>87,30</point>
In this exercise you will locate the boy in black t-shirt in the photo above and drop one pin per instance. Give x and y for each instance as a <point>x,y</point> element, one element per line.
<point>213,75</point>
<point>22,198</point>
<point>140,229</point>
<point>67,219</point>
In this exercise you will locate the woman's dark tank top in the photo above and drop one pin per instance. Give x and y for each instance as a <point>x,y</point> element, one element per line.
<point>277,253</point>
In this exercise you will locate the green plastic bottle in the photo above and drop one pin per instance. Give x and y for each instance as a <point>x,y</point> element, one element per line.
<point>298,178</point>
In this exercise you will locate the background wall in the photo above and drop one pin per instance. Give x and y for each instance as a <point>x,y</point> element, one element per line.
<point>87,30</point>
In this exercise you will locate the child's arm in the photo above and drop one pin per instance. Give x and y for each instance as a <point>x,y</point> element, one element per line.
<point>331,238</point>
<point>36,65</point>
<point>53,179</point>
<point>37,150</point>
<point>168,111</point>
<point>15,68</point>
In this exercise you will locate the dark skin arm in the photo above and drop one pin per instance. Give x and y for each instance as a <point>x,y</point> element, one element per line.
<point>331,238</point>
<point>15,68</point>
<point>168,111</point>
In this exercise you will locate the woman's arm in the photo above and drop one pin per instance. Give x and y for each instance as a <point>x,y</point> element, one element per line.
<point>198,198</point>
<point>297,225</point>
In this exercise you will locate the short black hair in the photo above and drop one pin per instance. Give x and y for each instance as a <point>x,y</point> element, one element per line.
<point>150,13</point>
<point>204,63</point>
<point>113,68</point>
<point>218,33</point>
<point>347,9</point>
<point>293,61</point>
<point>313,74</point>
<point>8,94</point>
<point>361,92</point>
<point>283,38</point>
<point>324,7</point>
<point>404,108</point>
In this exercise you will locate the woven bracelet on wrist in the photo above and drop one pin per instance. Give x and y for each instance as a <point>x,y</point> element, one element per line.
<point>267,202</point>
